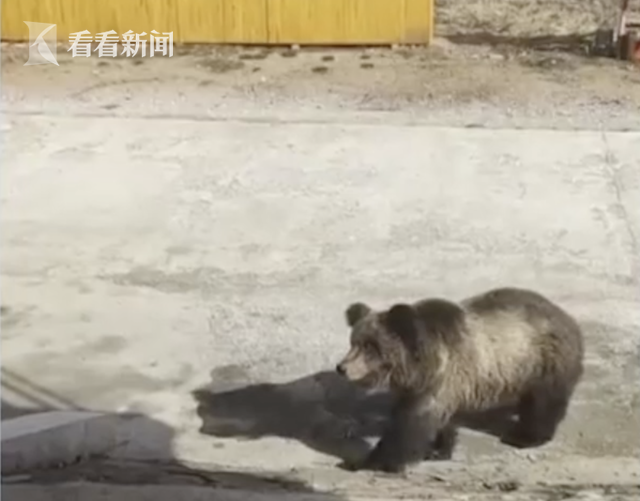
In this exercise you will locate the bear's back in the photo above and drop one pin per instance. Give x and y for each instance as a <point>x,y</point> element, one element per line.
<point>505,311</point>
<point>514,337</point>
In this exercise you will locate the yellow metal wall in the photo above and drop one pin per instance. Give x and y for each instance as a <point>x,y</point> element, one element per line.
<point>232,21</point>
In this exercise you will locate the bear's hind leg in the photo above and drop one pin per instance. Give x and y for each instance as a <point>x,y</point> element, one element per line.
<point>539,414</point>
<point>442,449</point>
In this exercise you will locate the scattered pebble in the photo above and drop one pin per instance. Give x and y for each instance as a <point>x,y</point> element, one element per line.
<point>254,57</point>
<point>503,486</point>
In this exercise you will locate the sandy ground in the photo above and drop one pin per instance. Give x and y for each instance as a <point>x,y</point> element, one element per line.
<point>202,221</point>
<point>465,79</point>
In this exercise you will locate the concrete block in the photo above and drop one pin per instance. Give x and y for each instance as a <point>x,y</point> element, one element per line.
<point>57,438</point>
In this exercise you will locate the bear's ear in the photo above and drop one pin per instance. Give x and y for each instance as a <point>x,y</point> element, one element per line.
<point>401,320</point>
<point>355,312</point>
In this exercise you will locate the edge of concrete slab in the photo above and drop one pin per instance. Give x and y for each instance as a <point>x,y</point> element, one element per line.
<point>58,438</point>
<point>110,492</point>
<point>107,492</point>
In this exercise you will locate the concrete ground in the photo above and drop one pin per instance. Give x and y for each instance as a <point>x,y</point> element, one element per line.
<point>162,235</point>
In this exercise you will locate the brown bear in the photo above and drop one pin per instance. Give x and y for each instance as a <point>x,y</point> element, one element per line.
<point>508,346</point>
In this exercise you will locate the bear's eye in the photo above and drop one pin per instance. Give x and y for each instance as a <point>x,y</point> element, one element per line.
<point>370,347</point>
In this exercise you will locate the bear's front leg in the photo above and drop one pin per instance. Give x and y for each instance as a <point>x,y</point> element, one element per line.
<point>445,443</point>
<point>411,433</point>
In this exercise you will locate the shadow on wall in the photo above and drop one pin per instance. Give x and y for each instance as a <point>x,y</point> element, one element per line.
<point>105,468</point>
<point>323,411</point>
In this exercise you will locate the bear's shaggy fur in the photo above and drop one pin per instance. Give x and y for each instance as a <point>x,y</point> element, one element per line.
<point>507,346</point>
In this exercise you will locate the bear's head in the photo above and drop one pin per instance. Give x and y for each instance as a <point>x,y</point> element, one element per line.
<point>384,346</point>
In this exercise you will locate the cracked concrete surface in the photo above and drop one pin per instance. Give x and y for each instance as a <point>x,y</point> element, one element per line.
<point>144,258</point>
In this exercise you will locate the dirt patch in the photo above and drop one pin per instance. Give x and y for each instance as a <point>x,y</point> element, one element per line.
<point>522,19</point>
<point>514,77</point>
<point>520,58</point>
<point>220,65</point>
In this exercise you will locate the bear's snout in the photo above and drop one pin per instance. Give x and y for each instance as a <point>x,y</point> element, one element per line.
<point>340,369</point>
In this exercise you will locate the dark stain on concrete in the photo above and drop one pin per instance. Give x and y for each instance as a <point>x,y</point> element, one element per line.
<point>79,285</point>
<point>10,317</point>
<point>210,279</point>
<point>178,250</point>
<point>177,282</point>
<point>108,345</point>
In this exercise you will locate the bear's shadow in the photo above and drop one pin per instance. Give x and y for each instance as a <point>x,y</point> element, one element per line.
<point>323,411</point>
